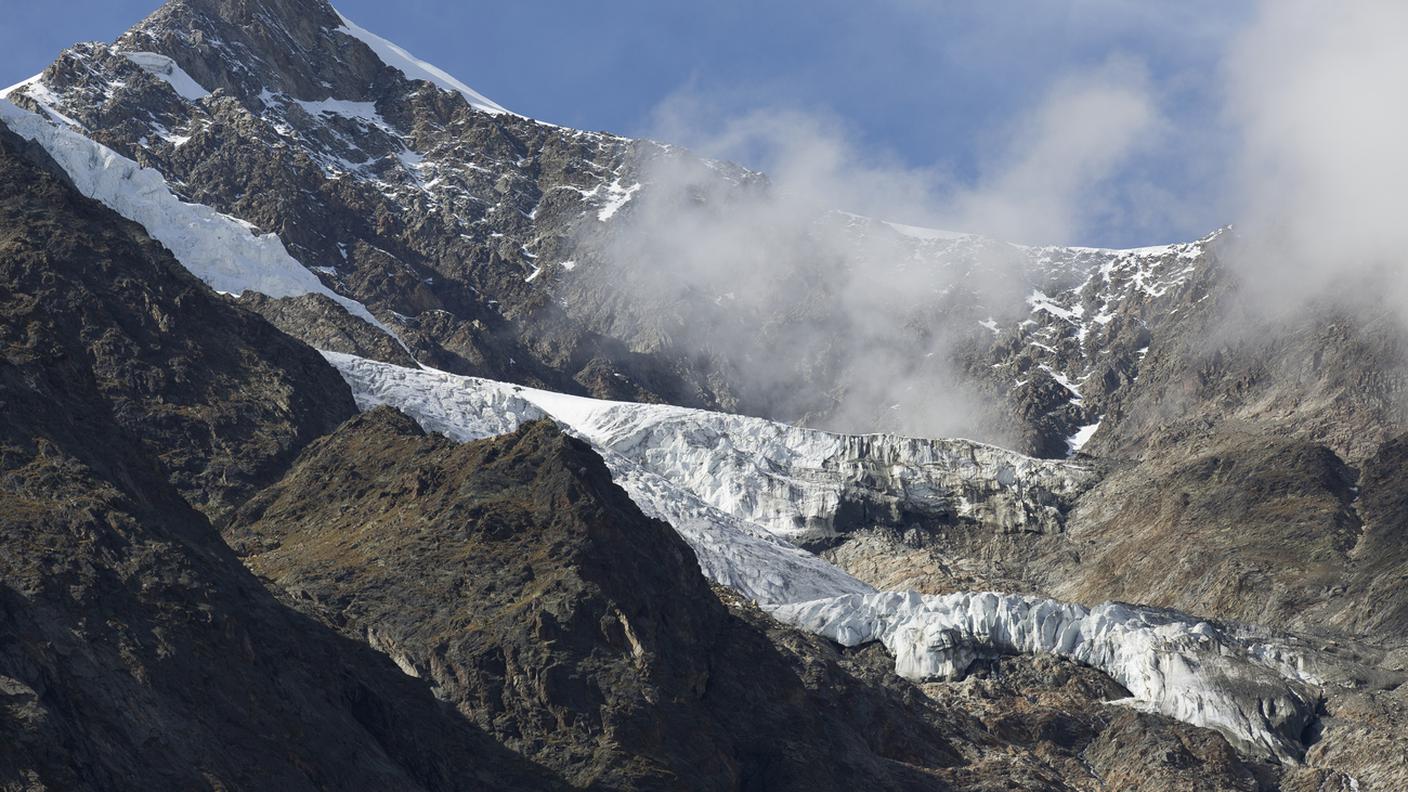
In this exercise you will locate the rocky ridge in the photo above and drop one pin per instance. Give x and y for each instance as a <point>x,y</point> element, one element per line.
<point>135,650</point>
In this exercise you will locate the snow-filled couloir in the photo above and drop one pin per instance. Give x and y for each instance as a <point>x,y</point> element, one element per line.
<point>725,483</point>
<point>228,254</point>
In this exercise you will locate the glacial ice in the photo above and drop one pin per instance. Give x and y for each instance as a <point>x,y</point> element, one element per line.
<point>1190,670</point>
<point>725,482</point>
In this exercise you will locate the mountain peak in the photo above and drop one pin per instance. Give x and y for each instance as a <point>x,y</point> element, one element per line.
<point>304,49</point>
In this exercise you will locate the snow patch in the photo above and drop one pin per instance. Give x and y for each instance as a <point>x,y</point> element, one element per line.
<point>48,101</point>
<point>164,68</point>
<point>360,111</point>
<point>416,69</point>
<point>916,232</point>
<point>5,94</point>
<point>1077,441</point>
<point>616,199</point>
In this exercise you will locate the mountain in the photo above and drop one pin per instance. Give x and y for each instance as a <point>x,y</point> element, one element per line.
<point>583,339</point>
<point>574,639</point>
<point>502,247</point>
<point>138,651</point>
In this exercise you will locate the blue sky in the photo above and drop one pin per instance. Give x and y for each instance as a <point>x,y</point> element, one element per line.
<point>929,86</point>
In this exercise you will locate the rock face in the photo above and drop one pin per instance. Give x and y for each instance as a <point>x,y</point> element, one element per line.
<point>83,288</point>
<point>135,651</point>
<point>1250,528</point>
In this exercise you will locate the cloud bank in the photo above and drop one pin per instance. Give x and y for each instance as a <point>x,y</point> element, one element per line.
<point>1317,93</point>
<point>828,317</point>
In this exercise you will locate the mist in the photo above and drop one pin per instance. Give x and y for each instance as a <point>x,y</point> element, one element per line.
<point>824,313</point>
<point>1317,93</point>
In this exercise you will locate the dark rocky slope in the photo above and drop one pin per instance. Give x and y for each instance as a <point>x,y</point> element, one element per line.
<point>135,651</point>
<point>219,398</point>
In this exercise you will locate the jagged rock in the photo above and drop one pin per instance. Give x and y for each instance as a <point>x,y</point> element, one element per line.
<point>83,288</point>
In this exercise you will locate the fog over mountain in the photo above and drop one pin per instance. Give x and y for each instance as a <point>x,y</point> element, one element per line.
<point>360,432</point>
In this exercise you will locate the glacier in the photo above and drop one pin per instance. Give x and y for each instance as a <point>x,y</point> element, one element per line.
<point>1193,671</point>
<point>726,483</point>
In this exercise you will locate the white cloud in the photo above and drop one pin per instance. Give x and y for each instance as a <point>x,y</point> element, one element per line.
<point>1317,90</point>
<point>857,314</point>
<point>1056,173</point>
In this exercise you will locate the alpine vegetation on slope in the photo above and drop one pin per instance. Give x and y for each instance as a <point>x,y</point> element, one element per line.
<point>1172,663</point>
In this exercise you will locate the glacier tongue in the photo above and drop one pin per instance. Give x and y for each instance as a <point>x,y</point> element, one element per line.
<point>726,482</point>
<point>1189,670</point>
